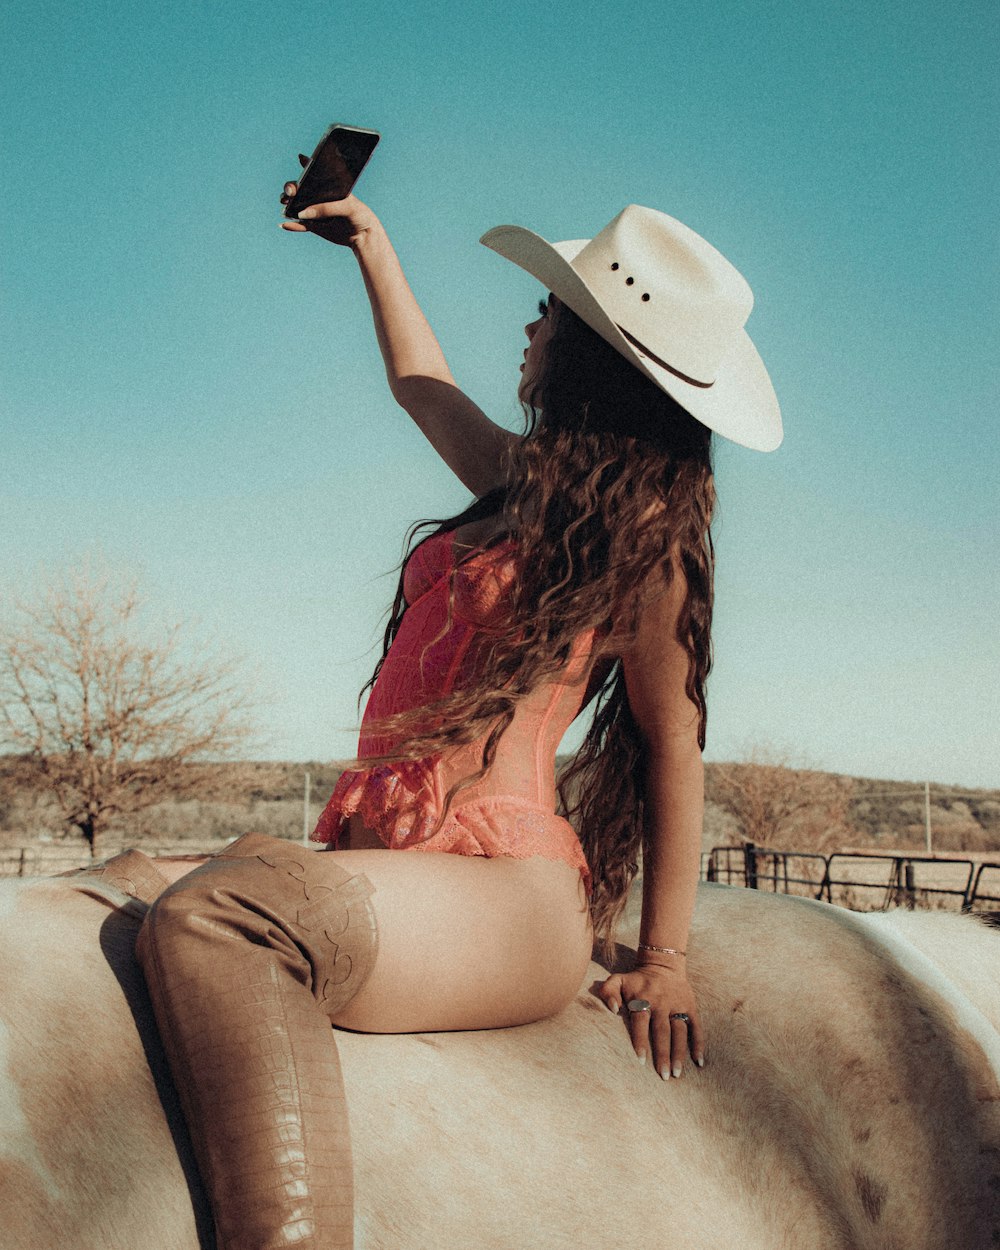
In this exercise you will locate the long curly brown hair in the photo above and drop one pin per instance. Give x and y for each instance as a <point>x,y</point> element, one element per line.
<point>610,485</point>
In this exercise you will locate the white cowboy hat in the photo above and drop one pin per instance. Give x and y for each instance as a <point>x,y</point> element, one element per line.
<point>670,303</point>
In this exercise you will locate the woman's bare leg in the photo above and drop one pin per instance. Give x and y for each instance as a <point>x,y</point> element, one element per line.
<point>468,943</point>
<point>464,943</point>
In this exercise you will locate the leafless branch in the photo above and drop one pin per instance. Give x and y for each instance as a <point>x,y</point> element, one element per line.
<point>774,802</point>
<point>116,716</point>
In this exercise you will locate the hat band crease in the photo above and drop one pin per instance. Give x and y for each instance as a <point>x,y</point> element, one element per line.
<point>641,347</point>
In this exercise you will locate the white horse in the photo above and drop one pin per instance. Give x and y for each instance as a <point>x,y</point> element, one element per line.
<point>850,1099</point>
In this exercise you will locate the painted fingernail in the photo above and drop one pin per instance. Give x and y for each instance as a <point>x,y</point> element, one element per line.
<point>665,1073</point>
<point>307,212</point>
<point>700,1062</point>
<point>289,188</point>
<point>613,1008</point>
<point>677,1069</point>
<point>641,1057</point>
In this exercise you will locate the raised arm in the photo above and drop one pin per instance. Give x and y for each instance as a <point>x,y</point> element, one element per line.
<point>656,666</point>
<point>474,447</point>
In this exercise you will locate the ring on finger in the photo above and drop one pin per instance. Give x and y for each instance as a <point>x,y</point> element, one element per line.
<point>680,1015</point>
<point>638,1004</point>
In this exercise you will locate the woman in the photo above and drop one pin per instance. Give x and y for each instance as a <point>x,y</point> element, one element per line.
<point>582,571</point>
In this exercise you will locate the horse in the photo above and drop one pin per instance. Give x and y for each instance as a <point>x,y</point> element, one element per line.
<point>850,1099</point>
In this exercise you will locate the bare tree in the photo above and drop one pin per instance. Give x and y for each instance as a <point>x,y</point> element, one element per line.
<point>114,716</point>
<point>777,805</point>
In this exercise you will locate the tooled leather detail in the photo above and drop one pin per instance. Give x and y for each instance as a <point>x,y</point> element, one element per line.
<point>132,872</point>
<point>345,918</point>
<point>340,913</point>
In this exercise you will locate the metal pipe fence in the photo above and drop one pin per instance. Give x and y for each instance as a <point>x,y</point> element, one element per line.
<point>859,880</point>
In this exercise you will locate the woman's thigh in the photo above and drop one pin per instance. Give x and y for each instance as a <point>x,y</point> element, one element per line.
<point>468,943</point>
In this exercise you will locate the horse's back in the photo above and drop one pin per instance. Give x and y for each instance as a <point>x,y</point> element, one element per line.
<point>90,1157</point>
<point>847,1101</point>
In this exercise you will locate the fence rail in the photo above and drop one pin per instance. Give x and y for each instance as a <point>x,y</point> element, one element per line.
<point>46,861</point>
<point>862,881</point>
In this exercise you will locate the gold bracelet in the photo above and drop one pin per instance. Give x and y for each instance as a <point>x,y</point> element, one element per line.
<point>660,950</point>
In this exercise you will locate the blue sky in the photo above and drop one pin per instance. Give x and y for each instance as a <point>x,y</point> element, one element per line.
<point>197,398</point>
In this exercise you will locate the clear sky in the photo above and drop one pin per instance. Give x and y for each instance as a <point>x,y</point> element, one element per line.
<point>196,396</point>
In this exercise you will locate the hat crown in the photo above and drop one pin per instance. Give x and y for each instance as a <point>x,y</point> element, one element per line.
<point>668,290</point>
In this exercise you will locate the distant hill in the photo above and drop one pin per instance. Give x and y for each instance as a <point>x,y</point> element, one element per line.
<point>808,810</point>
<point>866,813</point>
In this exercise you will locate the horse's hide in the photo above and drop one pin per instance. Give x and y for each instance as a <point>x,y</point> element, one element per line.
<point>850,1098</point>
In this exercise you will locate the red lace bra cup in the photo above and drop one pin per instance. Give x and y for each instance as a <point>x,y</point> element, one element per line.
<point>434,650</point>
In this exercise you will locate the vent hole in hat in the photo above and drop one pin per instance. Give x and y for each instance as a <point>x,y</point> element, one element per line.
<point>629,281</point>
<point>646,295</point>
<point>614,264</point>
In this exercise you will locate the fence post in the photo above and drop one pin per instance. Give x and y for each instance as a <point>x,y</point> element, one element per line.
<point>750,864</point>
<point>826,884</point>
<point>927,818</point>
<point>909,891</point>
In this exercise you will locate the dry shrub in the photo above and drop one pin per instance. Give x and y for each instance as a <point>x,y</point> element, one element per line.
<point>776,805</point>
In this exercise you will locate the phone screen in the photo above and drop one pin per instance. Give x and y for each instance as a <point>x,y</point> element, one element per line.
<point>339,158</point>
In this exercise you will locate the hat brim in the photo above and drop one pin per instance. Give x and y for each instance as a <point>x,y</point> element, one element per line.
<point>740,404</point>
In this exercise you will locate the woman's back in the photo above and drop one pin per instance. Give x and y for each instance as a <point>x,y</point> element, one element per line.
<point>455,607</point>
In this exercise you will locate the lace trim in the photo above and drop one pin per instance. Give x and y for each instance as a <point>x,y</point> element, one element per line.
<point>398,801</point>
<point>404,819</point>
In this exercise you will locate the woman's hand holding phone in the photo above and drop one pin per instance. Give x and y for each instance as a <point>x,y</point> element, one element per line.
<point>339,221</point>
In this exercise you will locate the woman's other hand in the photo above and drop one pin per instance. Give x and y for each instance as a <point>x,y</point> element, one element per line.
<point>340,221</point>
<point>671,1025</point>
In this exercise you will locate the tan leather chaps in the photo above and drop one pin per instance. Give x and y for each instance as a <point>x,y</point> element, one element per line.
<point>247,959</point>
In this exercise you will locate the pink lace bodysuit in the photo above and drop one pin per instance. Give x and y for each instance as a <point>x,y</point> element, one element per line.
<point>510,811</point>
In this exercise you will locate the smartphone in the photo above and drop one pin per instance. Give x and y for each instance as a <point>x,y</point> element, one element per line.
<point>334,167</point>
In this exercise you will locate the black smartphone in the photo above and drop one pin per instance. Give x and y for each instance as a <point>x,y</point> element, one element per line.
<point>334,167</point>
